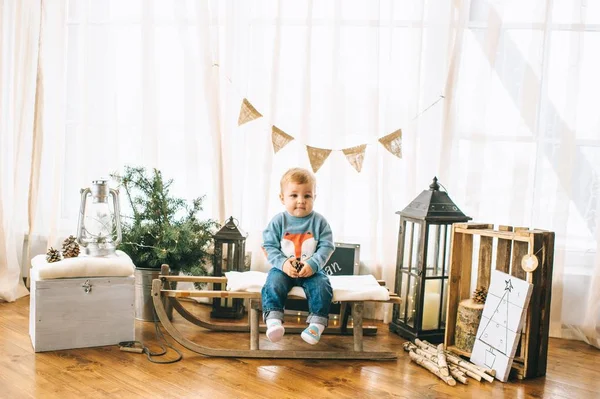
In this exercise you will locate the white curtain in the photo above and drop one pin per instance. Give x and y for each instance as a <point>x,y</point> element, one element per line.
<point>514,141</point>
<point>522,138</point>
<point>19,136</point>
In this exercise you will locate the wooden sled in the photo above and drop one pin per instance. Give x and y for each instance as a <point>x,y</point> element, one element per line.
<point>161,289</point>
<point>165,277</point>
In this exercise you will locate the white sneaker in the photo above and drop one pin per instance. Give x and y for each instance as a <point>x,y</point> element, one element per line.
<point>275,332</point>
<point>311,335</point>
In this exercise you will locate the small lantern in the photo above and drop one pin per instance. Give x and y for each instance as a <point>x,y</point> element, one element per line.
<point>422,264</point>
<point>230,249</point>
<point>99,226</point>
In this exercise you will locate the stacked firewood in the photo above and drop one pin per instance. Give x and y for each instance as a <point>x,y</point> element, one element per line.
<point>446,365</point>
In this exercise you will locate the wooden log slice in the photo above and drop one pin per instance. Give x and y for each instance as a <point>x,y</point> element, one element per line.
<point>467,322</point>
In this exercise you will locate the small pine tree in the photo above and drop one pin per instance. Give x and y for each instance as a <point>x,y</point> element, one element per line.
<point>161,228</point>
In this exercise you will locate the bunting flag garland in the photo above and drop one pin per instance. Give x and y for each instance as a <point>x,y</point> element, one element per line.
<point>317,157</point>
<point>279,138</point>
<point>356,156</point>
<point>393,142</point>
<point>247,113</point>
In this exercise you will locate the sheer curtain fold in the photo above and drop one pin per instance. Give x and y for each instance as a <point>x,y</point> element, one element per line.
<point>19,34</point>
<point>590,328</point>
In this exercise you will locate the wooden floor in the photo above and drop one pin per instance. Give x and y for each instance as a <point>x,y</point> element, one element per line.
<point>573,369</point>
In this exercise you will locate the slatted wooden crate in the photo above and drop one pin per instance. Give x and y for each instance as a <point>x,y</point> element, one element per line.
<point>510,245</point>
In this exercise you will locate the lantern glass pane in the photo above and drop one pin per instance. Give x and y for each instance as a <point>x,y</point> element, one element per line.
<point>98,221</point>
<point>431,305</point>
<point>403,295</point>
<point>435,249</point>
<point>445,302</point>
<point>247,261</point>
<point>408,229</point>
<point>230,257</point>
<point>415,246</point>
<point>223,257</point>
<point>411,300</point>
<point>218,259</point>
<point>442,254</point>
<point>448,235</point>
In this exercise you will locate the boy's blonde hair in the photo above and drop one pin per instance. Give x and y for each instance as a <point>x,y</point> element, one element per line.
<point>298,176</point>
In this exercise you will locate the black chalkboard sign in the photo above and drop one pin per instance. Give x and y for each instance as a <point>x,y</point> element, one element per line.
<point>344,261</point>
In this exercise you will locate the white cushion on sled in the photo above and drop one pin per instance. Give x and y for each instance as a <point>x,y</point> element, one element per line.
<point>345,288</point>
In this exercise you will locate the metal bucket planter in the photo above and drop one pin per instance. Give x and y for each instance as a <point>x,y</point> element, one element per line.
<point>144,307</point>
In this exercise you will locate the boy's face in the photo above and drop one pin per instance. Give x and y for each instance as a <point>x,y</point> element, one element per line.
<point>298,199</point>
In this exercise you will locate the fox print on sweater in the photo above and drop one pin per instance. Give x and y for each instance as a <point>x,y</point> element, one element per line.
<point>308,238</point>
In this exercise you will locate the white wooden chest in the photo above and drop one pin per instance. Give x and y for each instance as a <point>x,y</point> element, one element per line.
<point>81,312</point>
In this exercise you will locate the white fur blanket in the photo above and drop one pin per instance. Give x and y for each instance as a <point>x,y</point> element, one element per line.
<point>82,266</point>
<point>345,288</point>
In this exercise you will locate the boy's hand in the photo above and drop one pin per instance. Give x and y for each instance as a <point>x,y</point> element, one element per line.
<point>289,269</point>
<point>306,271</point>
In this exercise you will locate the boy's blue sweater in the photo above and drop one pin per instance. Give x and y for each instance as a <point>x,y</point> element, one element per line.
<point>308,238</point>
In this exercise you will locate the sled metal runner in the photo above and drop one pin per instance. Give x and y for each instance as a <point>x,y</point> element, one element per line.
<point>160,290</point>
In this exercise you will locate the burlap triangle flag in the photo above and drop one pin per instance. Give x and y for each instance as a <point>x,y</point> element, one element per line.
<point>393,142</point>
<point>356,156</point>
<point>247,113</point>
<point>279,138</point>
<point>317,157</point>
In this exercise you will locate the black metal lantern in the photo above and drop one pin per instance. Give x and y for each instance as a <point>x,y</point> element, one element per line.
<point>230,249</point>
<point>422,264</point>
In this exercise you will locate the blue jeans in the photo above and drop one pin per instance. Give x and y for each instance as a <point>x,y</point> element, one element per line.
<point>316,287</point>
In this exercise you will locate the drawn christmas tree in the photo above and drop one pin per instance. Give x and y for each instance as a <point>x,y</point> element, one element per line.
<point>495,333</point>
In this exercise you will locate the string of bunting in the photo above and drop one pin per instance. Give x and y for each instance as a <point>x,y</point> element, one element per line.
<point>317,156</point>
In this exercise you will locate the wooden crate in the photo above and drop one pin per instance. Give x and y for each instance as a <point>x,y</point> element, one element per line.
<point>511,245</point>
<point>80,312</point>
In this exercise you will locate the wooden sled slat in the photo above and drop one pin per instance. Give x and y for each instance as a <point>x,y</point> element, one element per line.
<point>255,352</point>
<point>343,329</point>
<point>212,279</point>
<point>210,294</point>
<point>243,295</point>
<point>194,279</point>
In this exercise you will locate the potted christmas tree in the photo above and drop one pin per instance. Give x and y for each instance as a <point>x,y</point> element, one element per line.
<point>158,229</point>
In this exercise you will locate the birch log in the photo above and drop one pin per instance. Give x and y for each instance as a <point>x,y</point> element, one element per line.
<point>469,366</point>
<point>491,372</point>
<point>429,356</point>
<point>458,376</point>
<point>441,356</point>
<point>456,360</point>
<point>431,348</point>
<point>429,365</point>
<point>465,372</point>
<point>454,369</point>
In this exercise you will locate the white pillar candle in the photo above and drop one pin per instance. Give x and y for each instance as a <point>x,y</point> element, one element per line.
<point>431,305</point>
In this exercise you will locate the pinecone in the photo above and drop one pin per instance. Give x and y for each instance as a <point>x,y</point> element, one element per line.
<point>480,295</point>
<point>53,255</point>
<point>297,264</point>
<point>70,247</point>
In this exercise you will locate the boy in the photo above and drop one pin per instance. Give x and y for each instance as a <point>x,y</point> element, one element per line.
<point>297,242</point>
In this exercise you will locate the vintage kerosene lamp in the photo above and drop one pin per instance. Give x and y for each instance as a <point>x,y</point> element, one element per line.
<point>99,226</point>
